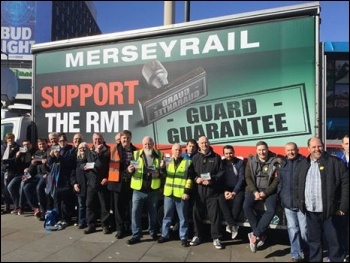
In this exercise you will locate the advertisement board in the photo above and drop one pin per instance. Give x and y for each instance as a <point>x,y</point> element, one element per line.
<point>237,85</point>
<point>18,24</point>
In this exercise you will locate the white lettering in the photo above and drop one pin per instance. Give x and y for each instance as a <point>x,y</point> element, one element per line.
<point>107,122</point>
<point>213,43</point>
<point>189,44</point>
<point>93,57</point>
<point>155,50</point>
<point>168,48</point>
<point>130,53</point>
<point>63,122</point>
<point>149,51</point>
<point>244,41</point>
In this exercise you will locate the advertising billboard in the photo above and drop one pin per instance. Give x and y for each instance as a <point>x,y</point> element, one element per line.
<point>18,24</point>
<point>236,84</point>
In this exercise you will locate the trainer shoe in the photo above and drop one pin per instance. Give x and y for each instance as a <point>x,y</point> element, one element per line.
<point>252,242</point>
<point>229,229</point>
<point>195,241</point>
<point>234,232</point>
<point>261,241</point>
<point>217,243</point>
<point>15,211</point>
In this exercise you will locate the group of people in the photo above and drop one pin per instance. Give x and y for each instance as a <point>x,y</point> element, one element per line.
<point>196,184</point>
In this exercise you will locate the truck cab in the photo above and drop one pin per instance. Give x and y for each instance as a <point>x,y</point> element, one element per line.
<point>21,126</point>
<point>15,109</point>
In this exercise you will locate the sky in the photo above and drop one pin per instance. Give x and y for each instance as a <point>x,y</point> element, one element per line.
<point>118,16</point>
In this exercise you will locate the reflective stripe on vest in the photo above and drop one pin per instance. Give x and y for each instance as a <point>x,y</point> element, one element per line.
<point>176,182</point>
<point>114,166</point>
<point>137,177</point>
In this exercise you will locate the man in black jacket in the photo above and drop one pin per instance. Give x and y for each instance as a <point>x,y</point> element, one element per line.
<point>208,186</point>
<point>96,164</point>
<point>120,186</point>
<point>322,191</point>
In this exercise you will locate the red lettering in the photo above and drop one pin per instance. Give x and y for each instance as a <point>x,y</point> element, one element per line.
<point>100,89</point>
<point>101,93</point>
<point>46,94</point>
<point>86,91</point>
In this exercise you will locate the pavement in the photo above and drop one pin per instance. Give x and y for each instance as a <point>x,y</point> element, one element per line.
<point>23,239</point>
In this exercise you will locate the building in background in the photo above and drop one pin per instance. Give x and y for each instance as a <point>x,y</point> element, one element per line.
<point>337,99</point>
<point>24,23</point>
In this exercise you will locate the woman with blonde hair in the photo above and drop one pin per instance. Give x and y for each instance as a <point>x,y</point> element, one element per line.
<point>80,186</point>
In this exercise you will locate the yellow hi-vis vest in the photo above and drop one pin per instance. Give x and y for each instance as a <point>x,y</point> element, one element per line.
<point>114,166</point>
<point>137,177</point>
<point>176,182</point>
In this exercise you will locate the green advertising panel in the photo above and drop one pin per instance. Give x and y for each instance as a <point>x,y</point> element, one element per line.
<point>236,84</point>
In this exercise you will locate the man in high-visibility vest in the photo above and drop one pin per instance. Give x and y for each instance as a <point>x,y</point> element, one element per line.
<point>179,177</point>
<point>146,183</point>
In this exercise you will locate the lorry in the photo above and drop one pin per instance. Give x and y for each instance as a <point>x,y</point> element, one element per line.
<point>237,79</point>
<point>15,109</point>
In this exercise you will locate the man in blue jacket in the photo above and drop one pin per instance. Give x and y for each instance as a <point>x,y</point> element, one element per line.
<point>296,220</point>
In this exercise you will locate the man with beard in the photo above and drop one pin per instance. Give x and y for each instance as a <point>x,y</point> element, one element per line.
<point>146,183</point>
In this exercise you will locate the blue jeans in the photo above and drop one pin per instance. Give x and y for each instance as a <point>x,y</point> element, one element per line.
<point>82,210</point>
<point>170,204</point>
<point>40,193</point>
<point>296,223</point>
<point>138,201</point>
<point>15,190</point>
<point>259,226</point>
<point>29,190</point>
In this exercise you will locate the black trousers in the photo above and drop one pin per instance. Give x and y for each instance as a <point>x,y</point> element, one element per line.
<point>203,206</point>
<point>316,227</point>
<point>231,209</point>
<point>97,199</point>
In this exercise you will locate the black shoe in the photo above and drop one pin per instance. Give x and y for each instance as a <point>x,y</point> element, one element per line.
<point>154,236</point>
<point>162,240</point>
<point>82,226</point>
<point>89,230</point>
<point>119,235</point>
<point>133,241</point>
<point>184,243</point>
<point>106,230</point>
